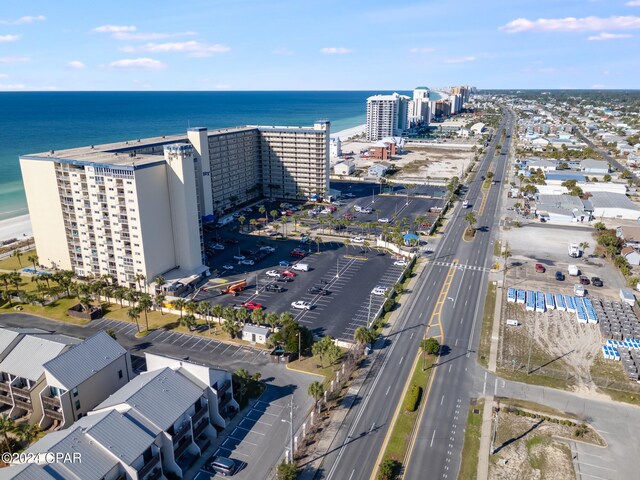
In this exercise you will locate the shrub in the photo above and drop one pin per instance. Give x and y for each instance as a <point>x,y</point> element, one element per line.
<point>388,470</point>
<point>413,398</point>
<point>388,304</point>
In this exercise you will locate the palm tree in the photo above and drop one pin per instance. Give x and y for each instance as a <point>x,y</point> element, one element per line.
<point>231,327</point>
<point>262,210</point>
<point>179,304</point>
<point>272,320</point>
<point>364,335</point>
<point>85,302</point>
<point>134,314</point>
<point>191,307</point>
<point>145,303</point>
<point>347,242</point>
<point>27,433</point>
<point>119,294</point>
<point>506,254</point>
<point>34,260</point>
<point>7,426</point>
<point>257,316</point>
<point>17,253</point>
<point>188,321</point>
<point>584,246</point>
<point>242,219</point>
<point>204,309</point>
<point>471,220</point>
<point>316,390</point>
<point>216,311</point>
<point>241,314</point>
<point>253,223</point>
<point>159,281</point>
<point>139,278</point>
<point>274,214</point>
<point>366,246</point>
<point>318,242</point>
<point>285,317</point>
<point>159,300</point>
<point>132,297</point>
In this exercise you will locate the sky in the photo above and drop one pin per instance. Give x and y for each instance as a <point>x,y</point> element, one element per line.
<point>318,45</point>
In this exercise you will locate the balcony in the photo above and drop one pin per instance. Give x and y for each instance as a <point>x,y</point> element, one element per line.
<point>180,433</point>
<point>223,388</point>
<point>54,414</point>
<point>183,447</point>
<point>23,392</point>
<point>200,428</point>
<point>198,415</point>
<point>4,386</point>
<point>149,466</point>
<point>24,405</point>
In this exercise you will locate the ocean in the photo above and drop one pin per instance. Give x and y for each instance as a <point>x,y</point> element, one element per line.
<point>32,122</point>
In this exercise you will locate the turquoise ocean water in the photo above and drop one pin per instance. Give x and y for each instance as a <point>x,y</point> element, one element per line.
<point>32,122</point>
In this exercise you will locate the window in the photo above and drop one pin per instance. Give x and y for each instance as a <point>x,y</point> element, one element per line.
<point>77,404</point>
<point>119,373</point>
<point>75,392</point>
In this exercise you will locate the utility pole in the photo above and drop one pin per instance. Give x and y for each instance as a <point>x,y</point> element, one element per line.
<point>530,346</point>
<point>291,428</point>
<point>337,267</point>
<point>369,314</point>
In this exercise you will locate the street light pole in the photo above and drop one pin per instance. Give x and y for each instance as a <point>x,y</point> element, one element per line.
<point>369,314</point>
<point>337,267</point>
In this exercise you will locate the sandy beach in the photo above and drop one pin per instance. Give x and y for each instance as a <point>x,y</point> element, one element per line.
<point>349,132</point>
<point>18,227</point>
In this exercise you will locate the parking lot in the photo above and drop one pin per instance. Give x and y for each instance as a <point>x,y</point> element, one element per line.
<point>349,274</point>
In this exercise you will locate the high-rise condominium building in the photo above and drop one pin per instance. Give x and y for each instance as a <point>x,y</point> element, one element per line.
<point>136,207</point>
<point>386,116</point>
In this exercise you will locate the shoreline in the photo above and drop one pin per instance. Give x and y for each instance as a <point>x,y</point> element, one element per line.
<point>350,132</point>
<point>16,227</point>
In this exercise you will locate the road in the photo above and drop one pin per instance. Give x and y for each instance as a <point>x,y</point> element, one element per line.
<point>355,451</point>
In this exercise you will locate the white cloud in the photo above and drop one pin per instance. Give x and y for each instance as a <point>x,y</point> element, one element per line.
<point>149,36</point>
<point>572,24</point>
<point>335,50</point>
<point>13,59</point>
<point>609,36</point>
<point>633,3</point>
<point>23,20</point>
<point>114,28</point>
<point>598,85</point>
<point>422,50</point>
<point>460,59</point>
<point>282,51</point>
<point>3,75</point>
<point>191,48</point>
<point>75,64</point>
<point>9,38</point>
<point>133,63</point>
<point>12,86</point>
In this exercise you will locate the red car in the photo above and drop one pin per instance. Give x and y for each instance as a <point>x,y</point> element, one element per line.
<point>348,216</point>
<point>288,273</point>
<point>540,268</point>
<point>297,253</point>
<point>252,306</point>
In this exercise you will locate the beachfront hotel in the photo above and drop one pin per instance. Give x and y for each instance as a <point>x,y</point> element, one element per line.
<point>386,116</point>
<point>136,207</point>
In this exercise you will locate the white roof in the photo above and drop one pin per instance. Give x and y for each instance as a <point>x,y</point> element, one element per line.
<point>612,200</point>
<point>7,337</point>
<point>255,329</point>
<point>161,396</point>
<point>74,366</point>
<point>28,357</point>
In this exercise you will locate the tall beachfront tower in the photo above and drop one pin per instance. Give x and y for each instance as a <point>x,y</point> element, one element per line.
<point>386,116</point>
<point>136,207</point>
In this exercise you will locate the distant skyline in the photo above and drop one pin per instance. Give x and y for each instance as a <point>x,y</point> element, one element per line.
<point>311,45</point>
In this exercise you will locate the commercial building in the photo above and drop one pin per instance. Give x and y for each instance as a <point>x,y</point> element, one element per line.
<point>386,115</point>
<point>613,205</point>
<point>379,169</point>
<point>153,427</point>
<point>344,168</point>
<point>136,207</point>
<point>591,165</point>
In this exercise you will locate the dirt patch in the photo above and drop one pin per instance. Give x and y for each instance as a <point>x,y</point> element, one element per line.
<point>533,448</point>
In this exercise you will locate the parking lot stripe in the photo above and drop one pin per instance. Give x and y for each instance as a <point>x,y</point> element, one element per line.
<point>179,337</point>
<point>207,343</point>
<point>249,430</point>
<point>171,334</point>
<point>241,440</point>
<point>228,347</point>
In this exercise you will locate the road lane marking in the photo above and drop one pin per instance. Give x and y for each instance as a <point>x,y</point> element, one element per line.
<point>401,359</point>
<point>388,388</point>
<point>442,400</point>
<point>432,437</point>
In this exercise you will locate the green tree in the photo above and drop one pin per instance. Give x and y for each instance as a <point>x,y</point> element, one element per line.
<point>242,219</point>
<point>272,320</point>
<point>364,336</point>
<point>159,281</point>
<point>17,253</point>
<point>316,390</point>
<point>607,178</point>
<point>7,426</point>
<point>144,304</point>
<point>257,316</point>
<point>471,220</point>
<point>274,214</point>
<point>134,314</point>
<point>204,309</point>
<point>321,348</point>
<point>387,470</point>
<point>27,432</point>
<point>34,261</point>
<point>287,471</point>
<point>216,311</point>
<point>111,333</point>
<point>599,226</point>
<point>231,327</point>
<point>159,300</point>
<point>189,321</point>
<point>430,346</point>
<point>179,304</point>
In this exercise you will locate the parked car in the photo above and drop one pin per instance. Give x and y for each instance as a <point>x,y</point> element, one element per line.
<point>288,273</point>
<point>401,263</point>
<point>227,266</point>
<point>273,288</point>
<point>540,268</point>
<point>384,220</point>
<point>252,306</point>
<point>297,253</point>
<point>319,291</point>
<point>239,257</point>
<point>284,279</point>
<point>284,263</point>
<point>597,282</point>
<point>230,241</point>
<point>247,261</point>
<point>584,280</point>
<point>268,249</point>
<point>357,240</point>
<point>379,290</point>
<point>217,246</point>
<point>559,276</point>
<point>272,273</point>
<point>222,465</point>
<point>300,305</point>
<point>348,216</point>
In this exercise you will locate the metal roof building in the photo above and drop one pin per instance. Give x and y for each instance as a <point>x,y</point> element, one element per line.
<point>28,357</point>
<point>614,205</point>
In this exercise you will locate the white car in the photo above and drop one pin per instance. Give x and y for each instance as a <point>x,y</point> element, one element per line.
<point>401,263</point>
<point>267,249</point>
<point>350,195</point>
<point>300,305</point>
<point>228,266</point>
<point>384,220</point>
<point>365,210</point>
<point>239,257</point>
<point>218,246</point>
<point>272,273</point>
<point>357,240</point>
<point>247,262</point>
<point>379,291</point>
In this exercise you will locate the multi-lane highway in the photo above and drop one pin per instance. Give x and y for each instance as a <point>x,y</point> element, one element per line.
<point>453,287</point>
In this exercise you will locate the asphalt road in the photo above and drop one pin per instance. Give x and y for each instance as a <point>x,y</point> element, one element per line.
<point>355,450</point>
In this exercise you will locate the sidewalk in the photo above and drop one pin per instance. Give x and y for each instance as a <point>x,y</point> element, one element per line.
<point>324,443</point>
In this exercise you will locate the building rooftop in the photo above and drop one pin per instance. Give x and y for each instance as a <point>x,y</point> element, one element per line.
<point>559,201</point>
<point>74,366</point>
<point>160,396</point>
<point>28,357</point>
<point>612,200</point>
<point>255,329</point>
<point>7,337</point>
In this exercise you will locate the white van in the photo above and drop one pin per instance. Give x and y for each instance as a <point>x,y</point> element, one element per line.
<point>513,323</point>
<point>465,204</point>
<point>303,267</point>
<point>578,290</point>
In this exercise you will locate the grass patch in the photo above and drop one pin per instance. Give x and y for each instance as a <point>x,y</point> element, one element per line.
<point>497,248</point>
<point>537,462</point>
<point>312,365</point>
<point>535,407</point>
<point>620,396</point>
<point>401,430</point>
<point>613,371</point>
<point>469,234</point>
<point>56,310</point>
<point>12,263</point>
<point>486,184</point>
<point>535,379</point>
<point>487,325</point>
<point>471,449</point>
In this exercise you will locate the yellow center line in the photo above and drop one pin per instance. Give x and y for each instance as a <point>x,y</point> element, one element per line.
<point>434,321</point>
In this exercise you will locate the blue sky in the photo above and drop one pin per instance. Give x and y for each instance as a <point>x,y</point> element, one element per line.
<point>318,45</point>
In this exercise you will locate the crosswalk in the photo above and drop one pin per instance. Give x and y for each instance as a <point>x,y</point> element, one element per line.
<point>463,267</point>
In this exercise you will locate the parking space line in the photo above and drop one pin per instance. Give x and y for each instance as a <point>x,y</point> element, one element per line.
<point>177,338</point>
<point>228,347</point>
<point>169,336</point>
<point>208,342</point>
<point>241,440</point>
<point>231,451</point>
<point>250,430</point>
<point>258,421</point>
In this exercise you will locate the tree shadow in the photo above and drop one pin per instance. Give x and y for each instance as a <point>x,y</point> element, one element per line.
<point>515,439</point>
